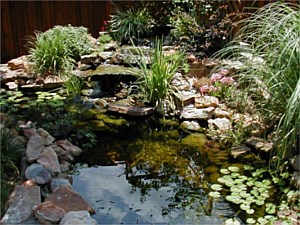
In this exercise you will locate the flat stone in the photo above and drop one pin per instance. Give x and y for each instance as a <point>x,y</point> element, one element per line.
<point>21,203</point>
<point>240,150</point>
<point>88,59</point>
<point>49,160</point>
<point>78,218</point>
<point>220,113</point>
<point>191,126</point>
<point>57,182</point>
<point>35,146</point>
<point>48,213</point>
<point>66,198</point>
<point>124,108</point>
<point>195,114</point>
<point>11,85</point>
<point>206,101</point>
<point>260,144</point>
<point>38,173</point>
<point>17,63</point>
<point>222,124</point>
<point>183,99</point>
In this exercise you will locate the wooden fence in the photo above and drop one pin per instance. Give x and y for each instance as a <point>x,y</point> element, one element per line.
<point>20,19</point>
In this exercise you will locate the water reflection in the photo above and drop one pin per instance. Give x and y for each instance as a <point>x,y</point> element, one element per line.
<point>161,181</point>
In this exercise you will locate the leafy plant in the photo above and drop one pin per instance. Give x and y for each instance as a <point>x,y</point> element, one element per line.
<point>74,85</point>
<point>134,22</point>
<point>56,50</point>
<point>268,47</point>
<point>104,38</point>
<point>155,82</point>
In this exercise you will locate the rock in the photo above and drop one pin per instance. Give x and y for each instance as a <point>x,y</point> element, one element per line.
<point>39,80</point>
<point>49,139</point>
<point>206,101</point>
<point>180,83</point>
<point>69,200</point>
<point>260,144</point>
<point>295,163</point>
<point>47,212</point>
<point>35,146</point>
<point>49,160</point>
<point>123,107</point>
<point>78,218</point>
<point>64,166</point>
<point>105,55</point>
<point>12,85</point>
<point>30,132</point>
<point>57,182</point>
<point>183,99</point>
<point>53,82</point>
<point>61,153</point>
<point>197,114</point>
<point>221,112</point>
<point>296,179</point>
<point>240,150</point>
<point>191,58</point>
<point>88,59</point>
<point>69,147</point>
<point>191,126</point>
<point>222,124</point>
<point>112,46</point>
<point>17,63</point>
<point>38,173</point>
<point>21,203</point>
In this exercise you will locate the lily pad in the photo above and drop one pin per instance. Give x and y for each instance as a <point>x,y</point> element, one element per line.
<point>232,221</point>
<point>247,167</point>
<point>250,211</point>
<point>250,221</point>
<point>259,202</point>
<point>216,187</point>
<point>270,208</point>
<point>245,206</point>
<point>234,199</point>
<point>214,194</point>
<point>225,171</point>
<point>233,169</point>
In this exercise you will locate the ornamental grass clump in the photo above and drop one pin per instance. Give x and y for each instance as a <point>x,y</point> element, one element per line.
<point>268,47</point>
<point>155,82</point>
<point>56,50</point>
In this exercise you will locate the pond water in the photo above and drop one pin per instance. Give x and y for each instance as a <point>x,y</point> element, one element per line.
<point>148,174</point>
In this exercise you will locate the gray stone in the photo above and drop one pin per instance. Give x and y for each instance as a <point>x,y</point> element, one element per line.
<point>220,112</point>
<point>105,55</point>
<point>11,85</point>
<point>69,147</point>
<point>49,160</point>
<point>124,107</point>
<point>57,182</point>
<point>112,46</point>
<point>88,59</point>
<point>64,166</point>
<point>191,126</point>
<point>48,213</point>
<point>240,150</point>
<point>78,217</point>
<point>38,173</point>
<point>260,144</point>
<point>195,114</point>
<point>49,139</point>
<point>295,162</point>
<point>29,132</point>
<point>222,124</point>
<point>35,146</point>
<point>21,204</point>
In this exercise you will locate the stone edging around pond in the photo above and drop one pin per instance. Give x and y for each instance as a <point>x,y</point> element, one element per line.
<point>45,167</point>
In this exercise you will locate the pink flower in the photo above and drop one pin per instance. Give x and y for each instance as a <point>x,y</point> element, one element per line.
<point>227,80</point>
<point>216,77</point>
<point>206,89</point>
<point>224,72</point>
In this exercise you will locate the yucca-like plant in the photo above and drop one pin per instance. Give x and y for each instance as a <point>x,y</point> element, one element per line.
<point>125,25</point>
<point>268,45</point>
<point>155,82</point>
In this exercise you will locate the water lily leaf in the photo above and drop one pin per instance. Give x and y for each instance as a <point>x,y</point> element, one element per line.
<point>244,194</point>
<point>250,221</point>
<point>234,199</point>
<point>216,187</point>
<point>214,194</point>
<point>262,220</point>
<point>250,199</point>
<point>232,221</point>
<point>259,184</point>
<point>245,206</point>
<point>233,169</point>
<point>266,182</point>
<point>224,171</point>
<point>250,211</point>
<point>234,175</point>
<point>229,183</point>
<point>259,202</point>
<point>221,180</point>
<point>270,208</point>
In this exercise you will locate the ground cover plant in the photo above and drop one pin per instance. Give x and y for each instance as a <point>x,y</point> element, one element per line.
<point>268,47</point>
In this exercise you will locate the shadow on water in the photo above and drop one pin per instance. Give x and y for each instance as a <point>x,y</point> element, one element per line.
<point>150,173</point>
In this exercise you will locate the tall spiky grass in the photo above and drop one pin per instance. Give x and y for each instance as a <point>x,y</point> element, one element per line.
<point>270,54</point>
<point>155,82</point>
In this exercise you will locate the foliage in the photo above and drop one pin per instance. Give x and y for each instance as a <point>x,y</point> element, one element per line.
<point>268,47</point>
<point>134,22</point>
<point>104,38</point>
<point>253,191</point>
<point>154,83</point>
<point>74,85</point>
<point>56,50</point>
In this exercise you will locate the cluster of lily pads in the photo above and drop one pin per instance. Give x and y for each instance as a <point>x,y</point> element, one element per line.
<point>15,100</point>
<point>252,193</point>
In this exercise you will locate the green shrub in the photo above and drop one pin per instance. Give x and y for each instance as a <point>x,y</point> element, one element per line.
<point>73,85</point>
<point>56,50</point>
<point>268,47</point>
<point>133,22</point>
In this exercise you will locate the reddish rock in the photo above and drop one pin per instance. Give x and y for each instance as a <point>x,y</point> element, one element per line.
<point>66,198</point>
<point>29,132</point>
<point>49,160</point>
<point>39,80</point>
<point>206,101</point>
<point>69,147</point>
<point>35,146</point>
<point>47,212</point>
<point>17,63</point>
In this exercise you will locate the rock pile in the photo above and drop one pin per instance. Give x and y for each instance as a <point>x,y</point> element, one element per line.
<point>45,176</point>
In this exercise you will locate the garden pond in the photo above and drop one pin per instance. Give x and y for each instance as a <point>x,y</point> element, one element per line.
<point>150,172</point>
